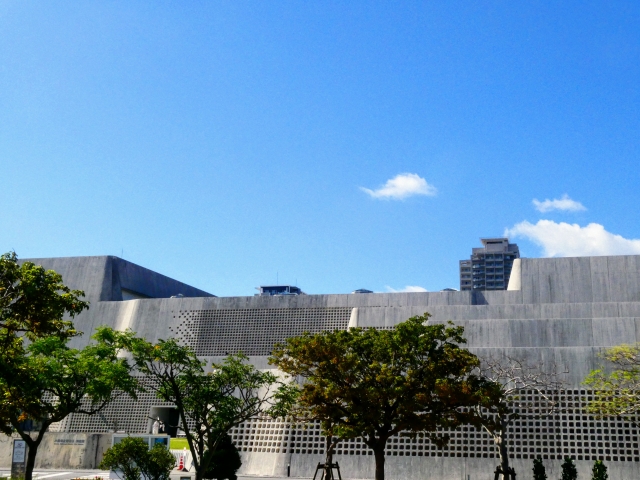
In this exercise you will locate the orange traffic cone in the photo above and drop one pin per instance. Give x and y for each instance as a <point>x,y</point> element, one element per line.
<point>182,461</point>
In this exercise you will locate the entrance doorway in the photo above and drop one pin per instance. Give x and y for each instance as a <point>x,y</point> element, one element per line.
<point>169,420</point>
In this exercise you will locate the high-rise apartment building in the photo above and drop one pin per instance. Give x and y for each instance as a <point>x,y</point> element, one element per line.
<point>489,267</point>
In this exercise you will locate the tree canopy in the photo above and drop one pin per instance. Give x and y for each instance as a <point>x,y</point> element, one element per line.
<point>209,401</point>
<point>41,379</point>
<point>599,471</point>
<point>49,381</point>
<point>225,461</point>
<point>125,458</point>
<point>616,385</point>
<point>372,383</point>
<point>539,472</point>
<point>569,470</point>
<point>34,301</point>
<point>132,458</point>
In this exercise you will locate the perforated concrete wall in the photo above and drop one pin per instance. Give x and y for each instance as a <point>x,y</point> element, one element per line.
<point>252,331</point>
<point>126,414</point>
<point>570,432</point>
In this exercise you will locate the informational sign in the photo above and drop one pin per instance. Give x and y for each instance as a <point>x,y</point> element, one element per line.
<point>19,458</point>
<point>69,441</point>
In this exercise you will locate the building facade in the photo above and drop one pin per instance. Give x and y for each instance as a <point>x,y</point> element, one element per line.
<point>489,267</point>
<point>559,310</point>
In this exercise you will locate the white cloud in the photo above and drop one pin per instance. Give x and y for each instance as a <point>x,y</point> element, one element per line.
<point>408,288</point>
<point>563,203</point>
<point>571,240</point>
<point>402,186</point>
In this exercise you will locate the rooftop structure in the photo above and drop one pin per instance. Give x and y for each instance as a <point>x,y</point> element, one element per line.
<point>489,267</point>
<point>279,290</point>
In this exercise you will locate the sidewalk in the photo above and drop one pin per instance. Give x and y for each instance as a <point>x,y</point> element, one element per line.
<point>45,474</point>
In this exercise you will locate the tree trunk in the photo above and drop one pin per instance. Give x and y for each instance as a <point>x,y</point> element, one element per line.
<point>504,456</point>
<point>328,472</point>
<point>31,459</point>
<point>31,444</point>
<point>199,467</point>
<point>378,453</point>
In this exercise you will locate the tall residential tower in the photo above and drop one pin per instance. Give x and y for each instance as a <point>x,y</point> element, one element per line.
<point>489,267</point>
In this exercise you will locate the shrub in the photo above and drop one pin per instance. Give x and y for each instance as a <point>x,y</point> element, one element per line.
<point>125,457</point>
<point>569,471</point>
<point>599,471</point>
<point>225,461</point>
<point>133,458</point>
<point>159,463</point>
<point>539,472</point>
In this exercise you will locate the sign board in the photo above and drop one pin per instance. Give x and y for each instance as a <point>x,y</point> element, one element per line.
<point>19,458</point>
<point>69,441</point>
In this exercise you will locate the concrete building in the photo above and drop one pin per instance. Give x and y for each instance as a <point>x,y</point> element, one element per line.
<point>560,310</point>
<point>489,267</point>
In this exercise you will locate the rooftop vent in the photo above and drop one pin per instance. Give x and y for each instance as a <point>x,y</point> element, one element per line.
<point>362,290</point>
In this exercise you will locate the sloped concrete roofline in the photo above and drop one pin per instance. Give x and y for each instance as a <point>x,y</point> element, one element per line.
<point>109,278</point>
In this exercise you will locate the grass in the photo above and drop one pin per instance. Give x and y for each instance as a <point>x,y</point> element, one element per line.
<point>178,444</point>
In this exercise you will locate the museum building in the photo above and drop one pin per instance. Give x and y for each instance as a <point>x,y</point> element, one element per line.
<point>561,311</point>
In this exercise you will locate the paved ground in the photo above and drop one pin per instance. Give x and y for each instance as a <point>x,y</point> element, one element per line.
<point>103,475</point>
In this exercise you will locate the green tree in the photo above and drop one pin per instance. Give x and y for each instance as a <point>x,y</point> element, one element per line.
<point>225,461</point>
<point>616,386</point>
<point>125,458</point>
<point>539,472</point>
<point>373,383</point>
<point>159,464</point>
<point>34,301</point>
<point>569,471</point>
<point>132,458</point>
<point>49,381</point>
<point>210,403</point>
<point>599,471</point>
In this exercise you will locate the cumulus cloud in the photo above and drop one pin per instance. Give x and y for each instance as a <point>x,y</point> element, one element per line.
<point>408,288</point>
<point>563,203</point>
<point>571,240</point>
<point>402,186</point>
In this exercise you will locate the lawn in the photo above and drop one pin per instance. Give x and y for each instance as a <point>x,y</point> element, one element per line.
<point>178,444</point>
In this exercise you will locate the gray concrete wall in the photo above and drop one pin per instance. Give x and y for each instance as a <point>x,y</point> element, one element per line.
<point>103,279</point>
<point>581,279</point>
<point>63,450</point>
<point>566,311</point>
<point>441,468</point>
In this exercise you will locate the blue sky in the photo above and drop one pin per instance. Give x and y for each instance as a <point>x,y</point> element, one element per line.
<point>336,145</point>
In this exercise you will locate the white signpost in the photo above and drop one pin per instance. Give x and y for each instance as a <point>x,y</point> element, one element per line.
<point>19,458</point>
